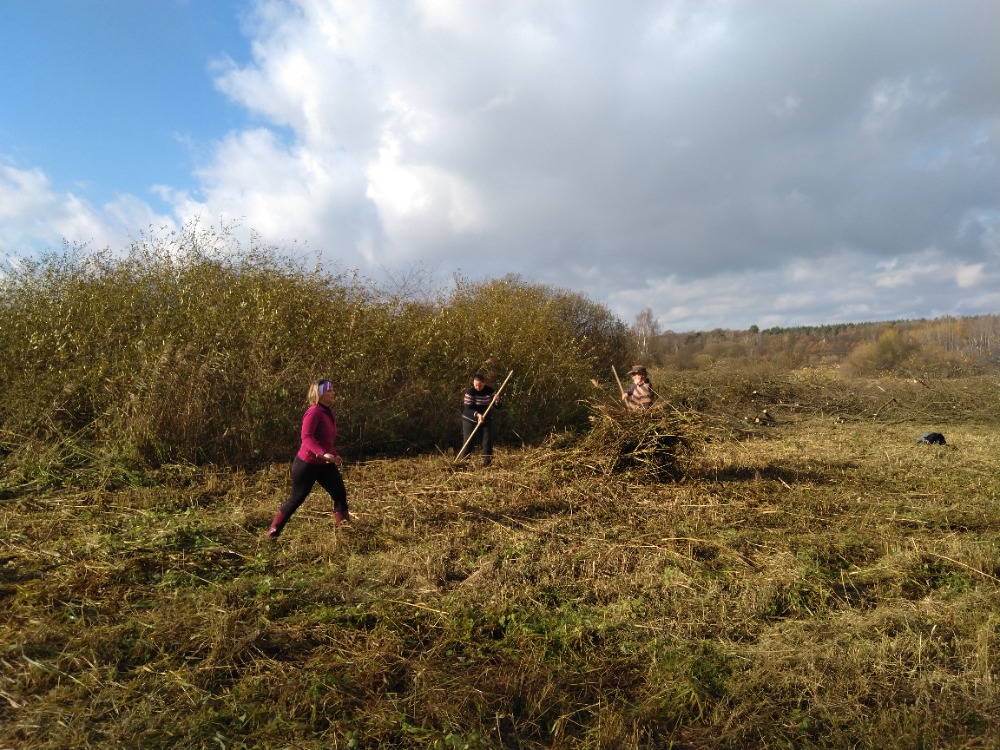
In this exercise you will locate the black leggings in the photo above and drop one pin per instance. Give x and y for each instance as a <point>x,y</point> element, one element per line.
<point>305,475</point>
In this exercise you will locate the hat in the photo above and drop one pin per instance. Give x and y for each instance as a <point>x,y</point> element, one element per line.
<point>638,370</point>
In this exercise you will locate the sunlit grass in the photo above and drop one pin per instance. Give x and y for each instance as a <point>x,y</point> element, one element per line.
<point>815,583</point>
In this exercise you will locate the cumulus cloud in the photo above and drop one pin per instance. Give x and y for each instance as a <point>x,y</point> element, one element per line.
<point>37,217</point>
<point>845,287</point>
<point>722,163</point>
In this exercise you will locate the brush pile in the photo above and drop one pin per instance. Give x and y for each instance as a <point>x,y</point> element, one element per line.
<point>646,446</point>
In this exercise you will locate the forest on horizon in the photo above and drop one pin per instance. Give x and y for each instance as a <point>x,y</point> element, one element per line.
<point>947,346</point>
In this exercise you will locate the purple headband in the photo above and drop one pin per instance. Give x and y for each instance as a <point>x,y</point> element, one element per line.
<point>324,386</point>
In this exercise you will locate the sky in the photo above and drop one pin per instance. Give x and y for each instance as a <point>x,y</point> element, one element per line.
<point>722,164</point>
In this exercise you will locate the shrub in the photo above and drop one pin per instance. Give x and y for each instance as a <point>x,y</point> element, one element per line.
<point>190,347</point>
<point>888,354</point>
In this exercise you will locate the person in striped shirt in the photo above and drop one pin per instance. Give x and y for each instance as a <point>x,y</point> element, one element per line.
<point>475,402</point>
<point>639,396</point>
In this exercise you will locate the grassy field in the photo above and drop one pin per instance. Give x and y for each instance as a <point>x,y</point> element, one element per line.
<point>818,581</point>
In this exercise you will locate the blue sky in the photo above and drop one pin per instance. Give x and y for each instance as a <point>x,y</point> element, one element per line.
<point>723,163</point>
<point>114,95</point>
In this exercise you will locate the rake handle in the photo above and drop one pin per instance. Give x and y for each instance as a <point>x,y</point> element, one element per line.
<point>618,380</point>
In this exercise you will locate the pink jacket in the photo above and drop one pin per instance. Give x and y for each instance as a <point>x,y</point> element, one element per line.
<point>319,430</point>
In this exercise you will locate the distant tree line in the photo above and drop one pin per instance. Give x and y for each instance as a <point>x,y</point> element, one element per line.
<point>939,347</point>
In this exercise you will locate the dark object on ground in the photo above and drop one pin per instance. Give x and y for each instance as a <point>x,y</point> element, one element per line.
<point>931,438</point>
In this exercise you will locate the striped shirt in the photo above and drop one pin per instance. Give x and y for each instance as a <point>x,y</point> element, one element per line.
<point>640,396</point>
<point>477,402</point>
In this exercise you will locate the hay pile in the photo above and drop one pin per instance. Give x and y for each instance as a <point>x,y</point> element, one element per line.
<point>646,446</point>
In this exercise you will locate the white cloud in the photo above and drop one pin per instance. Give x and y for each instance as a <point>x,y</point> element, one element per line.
<point>410,194</point>
<point>731,163</point>
<point>969,276</point>
<point>37,217</point>
<point>844,287</point>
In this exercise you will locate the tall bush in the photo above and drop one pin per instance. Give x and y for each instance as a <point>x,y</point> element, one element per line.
<point>890,353</point>
<point>424,352</point>
<point>187,347</point>
<point>190,347</point>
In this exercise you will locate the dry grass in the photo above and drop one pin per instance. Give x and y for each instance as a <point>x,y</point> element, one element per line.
<point>818,582</point>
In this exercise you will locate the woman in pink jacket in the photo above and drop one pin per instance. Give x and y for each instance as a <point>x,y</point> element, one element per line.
<point>316,461</point>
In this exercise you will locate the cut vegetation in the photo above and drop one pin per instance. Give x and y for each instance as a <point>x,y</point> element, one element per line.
<point>817,583</point>
<point>767,560</point>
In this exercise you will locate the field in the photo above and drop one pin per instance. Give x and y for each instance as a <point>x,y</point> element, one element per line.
<point>815,580</point>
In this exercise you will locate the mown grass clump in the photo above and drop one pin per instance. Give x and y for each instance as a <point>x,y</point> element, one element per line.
<point>809,583</point>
